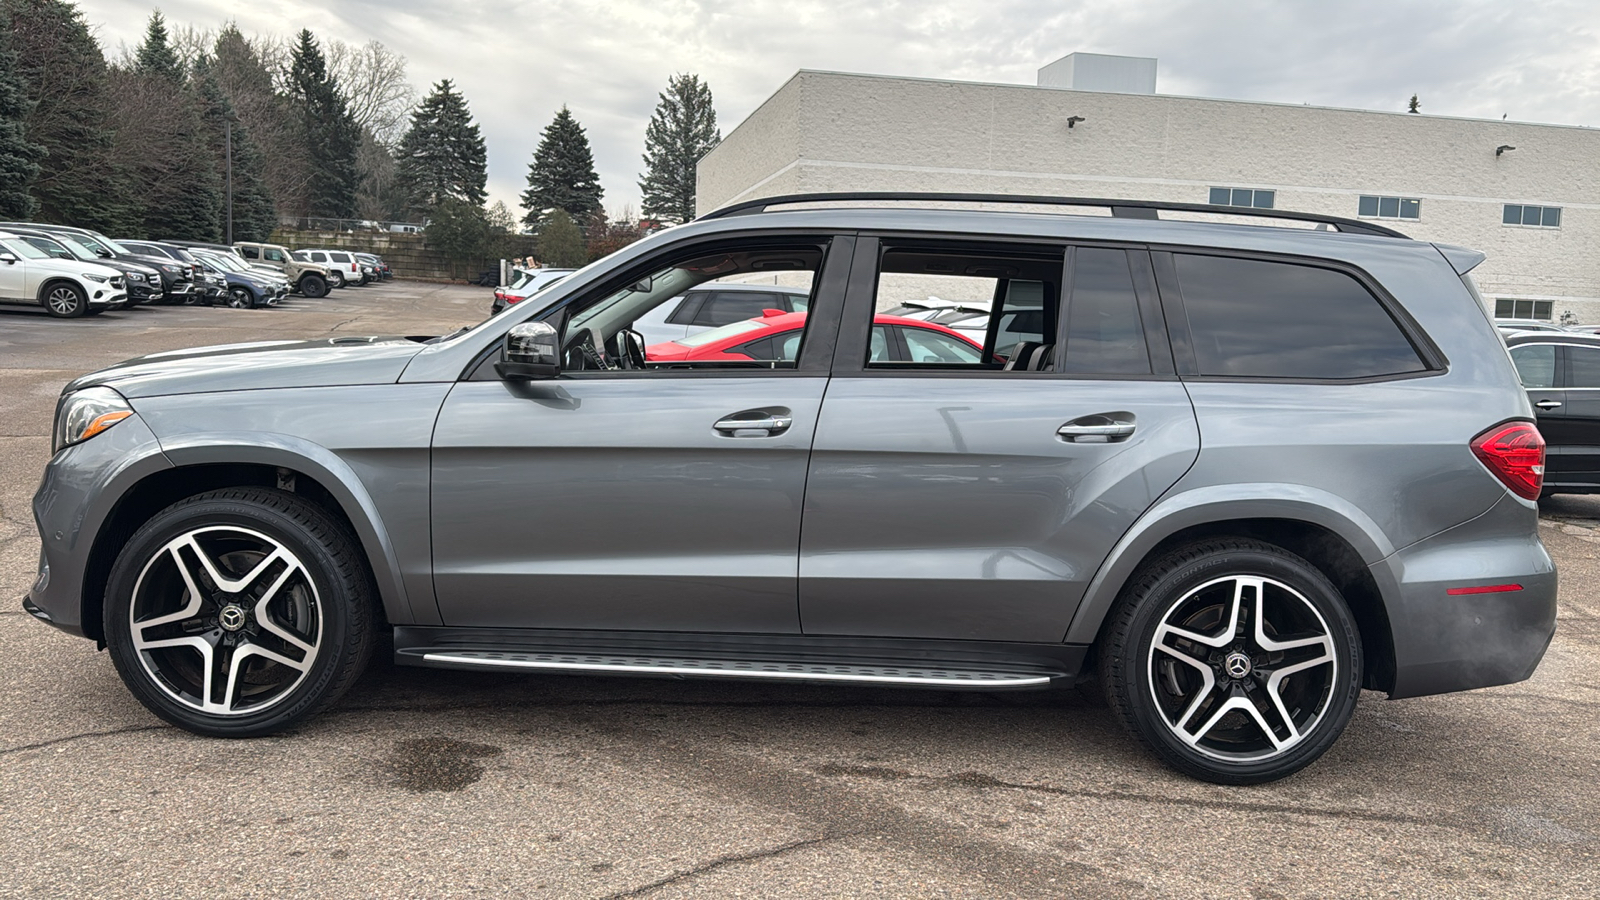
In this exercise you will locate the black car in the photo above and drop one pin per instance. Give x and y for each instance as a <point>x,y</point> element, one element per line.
<point>1561,371</point>
<point>210,288</point>
<point>177,279</point>
<point>144,282</point>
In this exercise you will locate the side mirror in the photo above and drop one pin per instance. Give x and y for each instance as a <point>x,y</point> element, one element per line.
<point>7,257</point>
<point>103,253</point>
<point>532,351</point>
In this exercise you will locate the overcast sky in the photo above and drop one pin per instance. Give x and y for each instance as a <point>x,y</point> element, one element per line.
<point>518,62</point>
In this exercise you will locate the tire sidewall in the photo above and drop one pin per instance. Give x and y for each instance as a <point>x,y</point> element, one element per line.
<point>78,310</point>
<point>320,563</point>
<point>313,286</point>
<point>1133,689</point>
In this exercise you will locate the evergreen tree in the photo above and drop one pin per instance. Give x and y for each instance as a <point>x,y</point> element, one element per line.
<point>156,56</point>
<point>1414,105</point>
<point>460,230</point>
<point>19,158</point>
<point>682,130</point>
<point>442,155</point>
<point>64,71</point>
<point>562,174</point>
<point>254,214</point>
<point>560,241</point>
<point>331,135</point>
<point>274,126</point>
<point>161,144</point>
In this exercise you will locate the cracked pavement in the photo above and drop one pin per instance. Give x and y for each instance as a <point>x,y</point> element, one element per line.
<point>457,784</point>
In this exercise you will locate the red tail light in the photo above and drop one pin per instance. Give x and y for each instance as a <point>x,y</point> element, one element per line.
<point>1514,452</point>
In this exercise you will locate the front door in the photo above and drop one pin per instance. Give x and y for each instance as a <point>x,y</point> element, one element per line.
<point>658,499</point>
<point>962,501</point>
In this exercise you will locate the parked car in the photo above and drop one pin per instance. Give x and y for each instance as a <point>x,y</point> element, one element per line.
<point>242,525</point>
<point>943,312</point>
<point>244,288</point>
<point>1561,372</point>
<point>143,283</point>
<point>1583,329</point>
<point>309,279</point>
<point>342,265</point>
<point>177,279</point>
<point>1512,326</point>
<point>530,282</point>
<point>381,268</point>
<point>210,288</point>
<point>775,338</point>
<point>66,288</point>
<point>714,305</point>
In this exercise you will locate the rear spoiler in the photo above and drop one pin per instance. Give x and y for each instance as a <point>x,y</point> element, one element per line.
<point>1461,259</point>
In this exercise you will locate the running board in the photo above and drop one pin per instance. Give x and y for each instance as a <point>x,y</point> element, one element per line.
<point>906,676</point>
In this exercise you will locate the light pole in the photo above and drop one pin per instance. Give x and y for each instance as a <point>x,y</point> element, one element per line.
<point>227,126</point>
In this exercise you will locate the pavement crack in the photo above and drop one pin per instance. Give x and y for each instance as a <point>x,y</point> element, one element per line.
<point>720,862</point>
<point>131,729</point>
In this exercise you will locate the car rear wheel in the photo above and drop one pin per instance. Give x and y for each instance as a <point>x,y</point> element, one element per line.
<point>65,301</point>
<point>313,286</point>
<point>336,279</point>
<point>239,612</point>
<point>240,298</point>
<point>1236,661</point>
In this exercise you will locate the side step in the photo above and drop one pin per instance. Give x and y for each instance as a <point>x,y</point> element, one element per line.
<point>909,676</point>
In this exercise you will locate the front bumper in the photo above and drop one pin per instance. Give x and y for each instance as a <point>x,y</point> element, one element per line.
<point>81,485</point>
<point>1445,642</point>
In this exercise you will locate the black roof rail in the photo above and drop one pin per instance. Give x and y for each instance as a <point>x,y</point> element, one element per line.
<point>1122,209</point>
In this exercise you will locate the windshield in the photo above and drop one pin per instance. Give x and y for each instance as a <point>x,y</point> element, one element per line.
<point>77,247</point>
<point>23,249</point>
<point>717,334</point>
<point>227,261</point>
<point>113,245</point>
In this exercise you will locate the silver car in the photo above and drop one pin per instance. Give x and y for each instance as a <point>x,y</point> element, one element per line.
<point>1227,475</point>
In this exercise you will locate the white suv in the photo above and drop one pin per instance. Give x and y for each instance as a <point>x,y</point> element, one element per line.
<point>343,267</point>
<point>65,288</point>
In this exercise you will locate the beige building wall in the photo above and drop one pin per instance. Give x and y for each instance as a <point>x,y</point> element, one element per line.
<point>825,131</point>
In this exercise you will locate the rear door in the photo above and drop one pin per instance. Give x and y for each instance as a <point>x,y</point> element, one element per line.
<point>962,500</point>
<point>1573,455</point>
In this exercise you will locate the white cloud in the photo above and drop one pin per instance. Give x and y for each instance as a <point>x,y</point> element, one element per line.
<point>518,62</point>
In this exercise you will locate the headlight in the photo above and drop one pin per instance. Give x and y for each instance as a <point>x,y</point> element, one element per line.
<point>135,276</point>
<point>84,414</point>
<point>93,277</point>
<point>173,269</point>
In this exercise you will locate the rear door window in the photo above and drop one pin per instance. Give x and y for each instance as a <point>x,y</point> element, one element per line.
<point>1104,332</point>
<point>1267,319</point>
<point>1583,367</point>
<point>1536,364</point>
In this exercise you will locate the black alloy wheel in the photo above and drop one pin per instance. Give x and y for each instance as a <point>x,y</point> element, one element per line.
<point>239,297</point>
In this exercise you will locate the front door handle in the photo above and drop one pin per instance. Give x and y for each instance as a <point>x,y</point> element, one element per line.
<point>755,423</point>
<point>1103,428</point>
<point>1548,404</point>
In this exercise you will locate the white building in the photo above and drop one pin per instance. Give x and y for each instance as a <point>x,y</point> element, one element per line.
<point>1528,195</point>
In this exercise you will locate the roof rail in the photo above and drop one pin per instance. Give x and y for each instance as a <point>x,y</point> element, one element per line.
<point>1122,209</point>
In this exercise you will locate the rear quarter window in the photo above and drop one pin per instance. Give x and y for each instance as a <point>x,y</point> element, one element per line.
<point>1268,319</point>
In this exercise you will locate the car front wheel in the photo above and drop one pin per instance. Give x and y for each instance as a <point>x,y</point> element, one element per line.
<point>313,286</point>
<point>240,298</point>
<point>1236,661</point>
<point>239,612</point>
<point>65,301</point>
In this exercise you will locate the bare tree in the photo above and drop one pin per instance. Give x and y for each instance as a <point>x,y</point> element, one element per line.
<point>373,80</point>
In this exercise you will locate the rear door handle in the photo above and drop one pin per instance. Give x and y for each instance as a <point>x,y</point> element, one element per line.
<point>754,423</point>
<point>1548,404</point>
<point>1102,428</point>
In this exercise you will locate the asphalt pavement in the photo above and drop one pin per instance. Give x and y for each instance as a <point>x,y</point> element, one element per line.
<point>445,784</point>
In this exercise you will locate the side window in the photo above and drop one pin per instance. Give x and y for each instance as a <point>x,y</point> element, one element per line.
<point>1583,367</point>
<point>723,307</point>
<point>878,346</point>
<point>319,257</point>
<point>761,349</point>
<point>684,314</point>
<point>250,252</point>
<point>1264,319</point>
<point>273,255</point>
<point>1018,285</point>
<point>1104,335</point>
<point>1536,364</point>
<point>339,257</point>
<point>798,303</point>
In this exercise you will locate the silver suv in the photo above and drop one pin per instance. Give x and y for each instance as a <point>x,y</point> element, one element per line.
<point>1227,475</point>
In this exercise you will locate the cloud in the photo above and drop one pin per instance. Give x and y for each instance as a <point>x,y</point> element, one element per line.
<point>519,62</point>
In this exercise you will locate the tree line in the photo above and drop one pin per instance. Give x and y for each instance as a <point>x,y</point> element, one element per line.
<point>143,145</point>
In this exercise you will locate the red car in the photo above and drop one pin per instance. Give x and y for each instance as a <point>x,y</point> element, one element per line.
<point>776,336</point>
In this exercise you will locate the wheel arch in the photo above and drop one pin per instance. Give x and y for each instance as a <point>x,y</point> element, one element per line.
<point>198,467</point>
<point>51,281</point>
<point>1326,531</point>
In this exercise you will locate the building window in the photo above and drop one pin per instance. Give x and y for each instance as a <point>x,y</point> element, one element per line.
<point>1507,308</point>
<point>1221,196</point>
<point>1373,207</point>
<point>1532,216</point>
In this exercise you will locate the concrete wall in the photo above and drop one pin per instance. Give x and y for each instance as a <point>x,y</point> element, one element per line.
<point>407,254</point>
<point>838,132</point>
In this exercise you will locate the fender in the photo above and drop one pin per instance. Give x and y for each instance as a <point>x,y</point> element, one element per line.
<point>334,474</point>
<point>1218,503</point>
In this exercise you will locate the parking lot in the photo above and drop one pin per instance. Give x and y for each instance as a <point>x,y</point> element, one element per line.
<point>435,783</point>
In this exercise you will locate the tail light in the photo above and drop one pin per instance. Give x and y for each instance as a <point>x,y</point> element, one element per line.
<point>1514,452</point>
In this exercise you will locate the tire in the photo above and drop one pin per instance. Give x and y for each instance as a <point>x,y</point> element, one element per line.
<point>65,300</point>
<point>1189,673</point>
<point>313,286</point>
<point>300,600</point>
<point>336,279</point>
<point>240,298</point>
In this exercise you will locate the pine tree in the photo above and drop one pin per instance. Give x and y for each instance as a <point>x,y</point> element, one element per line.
<point>274,125</point>
<point>560,241</point>
<point>1414,105</point>
<point>442,155</point>
<point>19,158</point>
<point>562,174</point>
<point>64,71</point>
<point>156,56</point>
<point>682,130</point>
<point>460,230</point>
<point>254,214</point>
<point>331,134</point>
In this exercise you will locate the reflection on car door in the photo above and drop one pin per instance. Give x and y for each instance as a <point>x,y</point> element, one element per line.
<point>970,504</point>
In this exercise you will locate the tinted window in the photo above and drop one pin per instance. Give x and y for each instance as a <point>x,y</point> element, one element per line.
<point>1280,320</point>
<point>723,307</point>
<point>1583,367</point>
<point>684,313</point>
<point>50,247</point>
<point>928,346</point>
<point>761,349</point>
<point>1103,332</point>
<point>250,252</point>
<point>339,257</point>
<point>1536,365</point>
<point>878,349</point>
